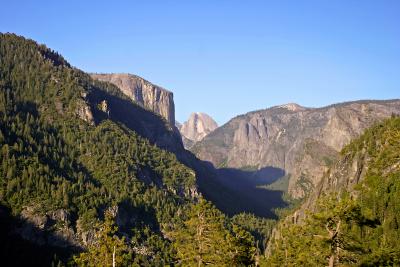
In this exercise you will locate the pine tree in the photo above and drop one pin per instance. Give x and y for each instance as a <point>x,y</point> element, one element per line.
<point>205,240</point>
<point>201,241</point>
<point>241,249</point>
<point>107,245</point>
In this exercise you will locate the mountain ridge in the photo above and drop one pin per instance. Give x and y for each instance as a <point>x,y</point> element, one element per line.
<point>70,154</point>
<point>292,140</point>
<point>351,217</point>
<point>87,170</point>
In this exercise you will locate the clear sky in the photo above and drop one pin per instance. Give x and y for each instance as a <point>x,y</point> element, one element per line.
<point>226,58</point>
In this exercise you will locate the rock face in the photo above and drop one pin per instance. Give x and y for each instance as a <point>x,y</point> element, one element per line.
<point>197,127</point>
<point>36,228</point>
<point>367,171</point>
<point>304,142</point>
<point>144,93</point>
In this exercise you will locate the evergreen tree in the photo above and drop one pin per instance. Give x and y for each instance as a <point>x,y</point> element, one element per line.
<point>202,239</point>
<point>241,247</point>
<point>108,248</point>
<point>205,240</point>
<point>357,228</point>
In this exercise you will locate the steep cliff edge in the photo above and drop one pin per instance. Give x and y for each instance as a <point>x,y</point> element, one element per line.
<point>302,141</point>
<point>352,217</point>
<point>73,148</point>
<point>196,128</point>
<point>144,93</point>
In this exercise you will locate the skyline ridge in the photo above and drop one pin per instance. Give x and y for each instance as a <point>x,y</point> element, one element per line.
<point>248,55</point>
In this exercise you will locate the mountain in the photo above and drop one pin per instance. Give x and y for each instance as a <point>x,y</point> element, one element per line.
<point>302,142</point>
<point>352,217</point>
<point>144,93</point>
<point>86,172</point>
<point>74,148</point>
<point>196,128</point>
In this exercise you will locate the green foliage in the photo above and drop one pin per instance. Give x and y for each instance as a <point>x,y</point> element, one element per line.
<point>241,250</point>
<point>356,228</point>
<point>108,248</point>
<point>282,184</point>
<point>332,235</point>
<point>203,239</point>
<point>51,159</point>
<point>305,184</point>
<point>260,228</point>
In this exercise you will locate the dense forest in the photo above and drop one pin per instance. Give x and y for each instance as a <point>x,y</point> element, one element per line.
<point>354,225</point>
<point>92,180</point>
<point>88,177</point>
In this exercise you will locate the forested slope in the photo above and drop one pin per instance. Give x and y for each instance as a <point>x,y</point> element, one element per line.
<point>83,168</point>
<point>353,217</point>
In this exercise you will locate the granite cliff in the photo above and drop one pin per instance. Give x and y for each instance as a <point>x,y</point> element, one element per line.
<point>87,148</point>
<point>352,209</point>
<point>196,128</point>
<point>144,93</point>
<point>304,142</point>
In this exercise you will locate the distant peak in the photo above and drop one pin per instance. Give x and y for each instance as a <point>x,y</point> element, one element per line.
<point>292,107</point>
<point>200,114</point>
<point>198,126</point>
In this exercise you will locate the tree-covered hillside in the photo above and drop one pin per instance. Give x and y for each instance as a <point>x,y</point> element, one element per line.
<point>355,218</point>
<point>82,170</point>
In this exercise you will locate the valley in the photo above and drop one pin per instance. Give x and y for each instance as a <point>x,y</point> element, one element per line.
<point>95,166</point>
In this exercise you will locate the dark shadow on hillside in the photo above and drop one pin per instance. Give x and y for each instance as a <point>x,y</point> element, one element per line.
<point>263,176</point>
<point>16,251</point>
<point>144,122</point>
<point>132,216</point>
<point>234,191</point>
<point>231,190</point>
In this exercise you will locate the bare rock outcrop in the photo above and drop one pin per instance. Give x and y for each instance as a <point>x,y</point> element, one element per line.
<point>144,93</point>
<point>52,228</point>
<point>197,127</point>
<point>84,112</point>
<point>304,142</point>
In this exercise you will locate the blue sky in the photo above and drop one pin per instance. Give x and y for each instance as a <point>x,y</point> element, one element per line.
<point>226,58</point>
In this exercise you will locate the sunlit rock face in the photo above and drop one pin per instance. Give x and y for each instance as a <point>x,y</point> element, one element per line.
<point>197,127</point>
<point>144,93</point>
<point>303,142</point>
